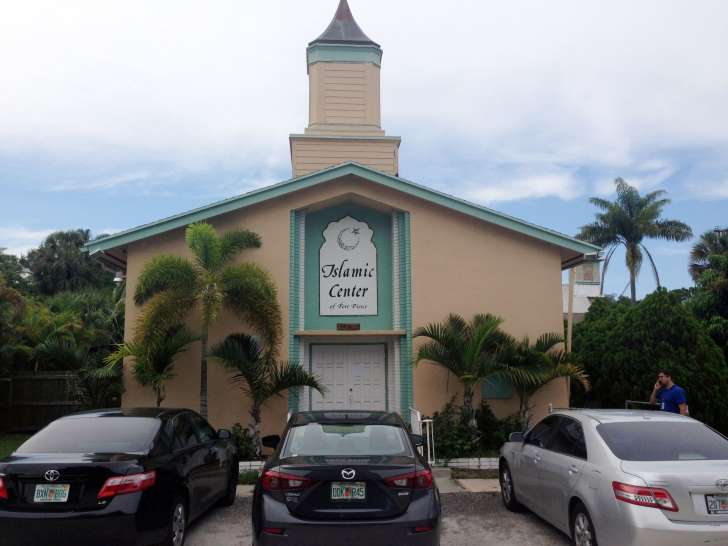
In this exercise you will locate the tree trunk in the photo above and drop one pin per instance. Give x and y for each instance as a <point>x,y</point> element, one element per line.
<point>468,413</point>
<point>255,414</point>
<point>632,266</point>
<point>203,372</point>
<point>633,284</point>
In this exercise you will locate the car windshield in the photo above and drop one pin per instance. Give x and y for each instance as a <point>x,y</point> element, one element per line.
<point>94,435</point>
<point>346,440</point>
<point>663,441</point>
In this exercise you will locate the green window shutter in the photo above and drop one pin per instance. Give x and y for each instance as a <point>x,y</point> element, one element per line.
<point>497,388</point>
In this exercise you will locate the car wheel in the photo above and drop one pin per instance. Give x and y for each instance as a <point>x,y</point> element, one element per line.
<point>582,528</point>
<point>508,492</point>
<point>232,486</point>
<point>177,527</point>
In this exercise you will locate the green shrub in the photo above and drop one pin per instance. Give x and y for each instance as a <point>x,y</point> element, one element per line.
<point>494,432</point>
<point>622,345</point>
<point>453,438</point>
<point>244,442</point>
<point>248,477</point>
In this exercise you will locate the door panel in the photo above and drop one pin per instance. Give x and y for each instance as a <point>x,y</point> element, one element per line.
<point>537,440</point>
<point>354,376</point>
<point>561,467</point>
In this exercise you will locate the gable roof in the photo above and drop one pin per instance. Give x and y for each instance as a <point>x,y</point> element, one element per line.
<point>326,175</point>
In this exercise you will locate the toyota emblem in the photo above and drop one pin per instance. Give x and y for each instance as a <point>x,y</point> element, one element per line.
<point>52,475</point>
<point>722,485</point>
<point>348,473</point>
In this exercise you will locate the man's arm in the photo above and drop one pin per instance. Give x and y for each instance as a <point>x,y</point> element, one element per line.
<point>655,390</point>
<point>683,409</point>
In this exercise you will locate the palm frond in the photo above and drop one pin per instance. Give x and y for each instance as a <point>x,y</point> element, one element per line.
<point>161,314</point>
<point>671,230</point>
<point>653,265</point>
<point>243,355</point>
<point>234,241</point>
<point>165,273</point>
<point>439,354</point>
<point>205,244</point>
<point>548,342</point>
<point>251,294</point>
<point>288,375</point>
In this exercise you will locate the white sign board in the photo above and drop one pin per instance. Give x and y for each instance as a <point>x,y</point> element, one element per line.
<point>348,269</point>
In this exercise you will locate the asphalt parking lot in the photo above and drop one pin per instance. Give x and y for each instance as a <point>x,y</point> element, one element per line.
<point>469,518</point>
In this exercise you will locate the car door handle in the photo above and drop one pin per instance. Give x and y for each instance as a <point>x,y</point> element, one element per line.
<point>537,459</point>
<point>574,470</point>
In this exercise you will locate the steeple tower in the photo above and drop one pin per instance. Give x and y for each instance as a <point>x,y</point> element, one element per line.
<point>344,102</point>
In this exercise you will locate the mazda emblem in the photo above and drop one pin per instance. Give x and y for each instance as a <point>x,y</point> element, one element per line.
<point>348,473</point>
<point>722,485</point>
<point>52,475</point>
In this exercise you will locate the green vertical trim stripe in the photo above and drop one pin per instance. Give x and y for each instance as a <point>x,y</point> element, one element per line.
<point>294,292</point>
<point>405,309</point>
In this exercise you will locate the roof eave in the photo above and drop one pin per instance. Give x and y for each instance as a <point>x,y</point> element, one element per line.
<point>331,173</point>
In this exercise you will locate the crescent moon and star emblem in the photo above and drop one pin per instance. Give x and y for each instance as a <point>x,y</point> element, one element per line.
<point>349,238</point>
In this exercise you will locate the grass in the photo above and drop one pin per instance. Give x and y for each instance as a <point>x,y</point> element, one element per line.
<point>471,473</point>
<point>9,442</point>
<point>248,477</point>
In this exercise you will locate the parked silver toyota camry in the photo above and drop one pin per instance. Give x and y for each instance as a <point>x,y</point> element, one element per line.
<point>621,478</point>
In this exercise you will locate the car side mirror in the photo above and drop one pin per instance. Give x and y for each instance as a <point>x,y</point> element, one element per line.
<point>224,434</point>
<point>517,437</point>
<point>417,439</point>
<point>271,441</point>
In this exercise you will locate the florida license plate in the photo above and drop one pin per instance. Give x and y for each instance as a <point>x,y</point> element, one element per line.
<point>51,493</point>
<point>348,491</point>
<point>717,504</point>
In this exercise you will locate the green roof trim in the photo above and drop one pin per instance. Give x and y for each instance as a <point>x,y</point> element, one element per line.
<point>327,175</point>
<point>343,53</point>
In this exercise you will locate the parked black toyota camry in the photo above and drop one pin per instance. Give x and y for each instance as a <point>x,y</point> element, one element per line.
<point>131,477</point>
<point>346,478</point>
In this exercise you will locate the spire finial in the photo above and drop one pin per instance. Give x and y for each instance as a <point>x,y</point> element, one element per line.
<point>343,29</point>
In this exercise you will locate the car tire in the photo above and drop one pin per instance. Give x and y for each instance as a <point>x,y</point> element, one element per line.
<point>582,527</point>
<point>177,526</point>
<point>232,486</point>
<point>508,491</point>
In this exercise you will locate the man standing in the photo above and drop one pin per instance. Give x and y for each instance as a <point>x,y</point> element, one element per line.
<point>671,397</point>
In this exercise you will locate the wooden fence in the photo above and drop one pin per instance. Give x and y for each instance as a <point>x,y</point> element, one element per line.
<point>29,402</point>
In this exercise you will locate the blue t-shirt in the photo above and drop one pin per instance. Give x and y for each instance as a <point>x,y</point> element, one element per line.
<point>670,399</point>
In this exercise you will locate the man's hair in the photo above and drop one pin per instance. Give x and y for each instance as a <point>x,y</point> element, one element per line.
<point>665,372</point>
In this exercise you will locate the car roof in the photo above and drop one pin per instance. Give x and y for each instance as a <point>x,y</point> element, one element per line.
<point>349,417</point>
<point>621,415</point>
<point>154,413</point>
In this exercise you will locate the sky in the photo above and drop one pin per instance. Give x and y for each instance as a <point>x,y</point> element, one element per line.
<point>114,114</point>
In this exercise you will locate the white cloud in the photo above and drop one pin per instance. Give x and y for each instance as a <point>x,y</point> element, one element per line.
<point>195,85</point>
<point>714,190</point>
<point>561,185</point>
<point>18,240</point>
<point>645,176</point>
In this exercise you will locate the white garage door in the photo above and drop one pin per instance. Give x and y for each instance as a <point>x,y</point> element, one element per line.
<point>354,377</point>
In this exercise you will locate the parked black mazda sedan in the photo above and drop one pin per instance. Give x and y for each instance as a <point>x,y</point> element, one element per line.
<point>122,477</point>
<point>346,477</point>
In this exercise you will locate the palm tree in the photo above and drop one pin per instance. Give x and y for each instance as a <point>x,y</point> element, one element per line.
<point>154,358</point>
<point>541,362</point>
<point>259,375</point>
<point>173,286</point>
<point>626,222</point>
<point>713,242</point>
<point>471,351</point>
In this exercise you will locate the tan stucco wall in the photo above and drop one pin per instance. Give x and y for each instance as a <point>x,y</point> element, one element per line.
<point>459,264</point>
<point>310,154</point>
<point>344,94</point>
